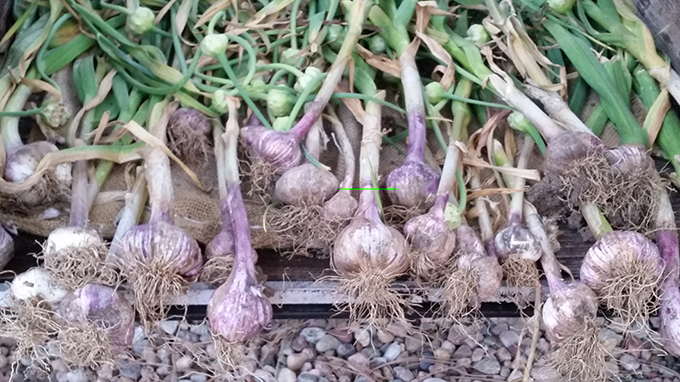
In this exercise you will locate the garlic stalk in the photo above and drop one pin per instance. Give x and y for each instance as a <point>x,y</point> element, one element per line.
<point>238,310</point>
<point>158,258</point>
<point>368,255</point>
<point>517,248</point>
<point>569,315</point>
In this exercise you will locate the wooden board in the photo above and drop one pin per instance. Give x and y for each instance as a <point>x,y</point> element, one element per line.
<point>662,17</point>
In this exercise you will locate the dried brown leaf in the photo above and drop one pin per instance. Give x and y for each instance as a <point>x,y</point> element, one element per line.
<point>380,62</point>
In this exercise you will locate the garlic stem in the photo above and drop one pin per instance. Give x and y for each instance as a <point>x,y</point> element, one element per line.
<point>313,137</point>
<point>517,199</point>
<point>371,140</point>
<point>80,208</point>
<point>485,225</point>
<point>159,179</point>
<point>131,214</point>
<point>9,126</point>
<point>337,70</point>
<point>595,219</point>
<point>346,150</point>
<point>243,250</point>
<point>415,107</point>
<point>666,236</point>
<point>549,261</point>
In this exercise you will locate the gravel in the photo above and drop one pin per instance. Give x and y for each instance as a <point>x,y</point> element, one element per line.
<point>326,351</point>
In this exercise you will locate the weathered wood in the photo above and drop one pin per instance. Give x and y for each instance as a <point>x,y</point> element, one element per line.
<point>662,18</point>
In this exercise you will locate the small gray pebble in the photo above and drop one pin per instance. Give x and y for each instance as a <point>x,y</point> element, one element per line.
<point>426,361</point>
<point>629,362</point>
<point>509,338</point>
<point>312,334</point>
<point>433,380</point>
<point>488,366</point>
<point>359,378</point>
<point>286,375</point>
<point>392,351</point>
<point>298,343</point>
<point>139,346</point>
<point>478,354</point>
<point>326,343</point>
<point>77,376</point>
<point>500,328</point>
<point>403,374</point>
<point>132,371</point>
<point>358,360</point>
<point>378,361</point>
<point>162,371</point>
<point>169,326</point>
<point>463,351</point>
<point>345,350</point>
<point>307,377</point>
<point>198,378</point>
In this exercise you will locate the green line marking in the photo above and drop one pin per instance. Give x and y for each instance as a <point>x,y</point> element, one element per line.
<point>349,188</point>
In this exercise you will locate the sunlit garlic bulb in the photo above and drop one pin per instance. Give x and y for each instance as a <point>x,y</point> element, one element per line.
<point>518,241</point>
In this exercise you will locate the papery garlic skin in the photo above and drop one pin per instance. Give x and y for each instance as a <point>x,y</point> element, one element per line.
<point>306,185</point>
<point>340,207</point>
<point>105,308</point>
<point>6,247</point>
<point>37,282</point>
<point>669,313</point>
<point>568,309</point>
<point>568,147</point>
<point>516,240</point>
<point>615,249</point>
<point>66,237</point>
<point>279,149</point>
<point>630,158</point>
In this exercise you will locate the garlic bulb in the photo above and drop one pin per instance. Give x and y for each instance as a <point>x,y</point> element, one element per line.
<point>567,309</point>
<point>22,163</point>
<point>625,249</point>
<point>413,184</point>
<point>306,185</point>
<point>37,282</point>
<point>6,248</point>
<point>277,148</point>
<point>432,240</point>
<point>76,256</point>
<point>238,310</point>
<point>473,256</point>
<point>188,131</point>
<point>104,307</point>
<point>340,207</point>
<point>518,241</point>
